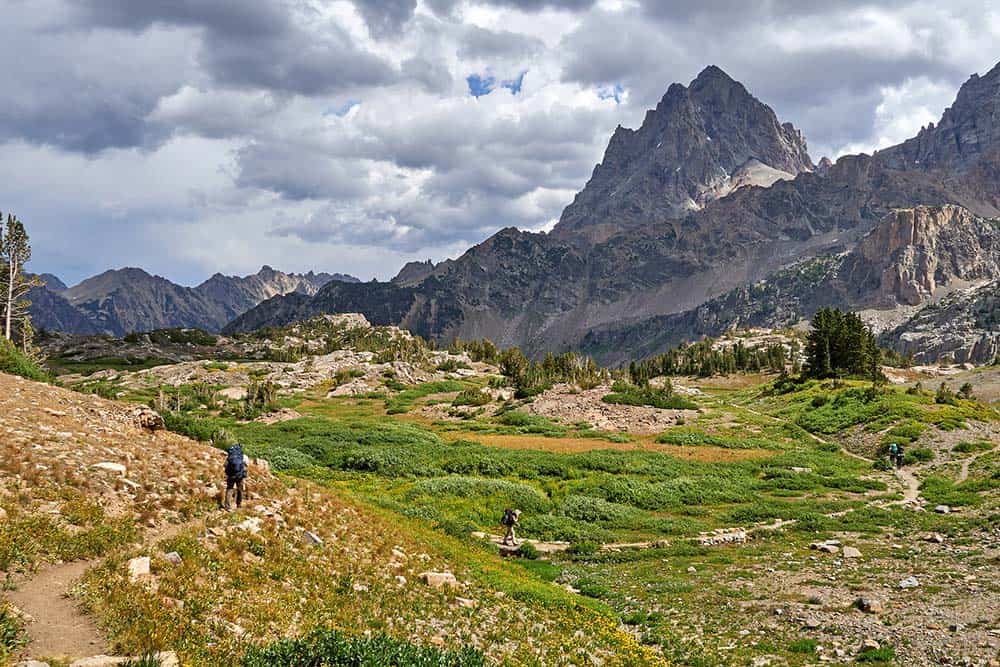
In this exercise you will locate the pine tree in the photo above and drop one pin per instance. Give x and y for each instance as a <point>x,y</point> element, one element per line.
<point>15,251</point>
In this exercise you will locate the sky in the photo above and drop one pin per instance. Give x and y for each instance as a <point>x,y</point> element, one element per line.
<point>194,136</point>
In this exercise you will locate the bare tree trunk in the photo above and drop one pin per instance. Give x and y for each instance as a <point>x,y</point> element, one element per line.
<point>10,294</point>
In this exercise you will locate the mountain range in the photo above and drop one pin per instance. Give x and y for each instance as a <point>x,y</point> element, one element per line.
<point>121,301</point>
<point>712,215</point>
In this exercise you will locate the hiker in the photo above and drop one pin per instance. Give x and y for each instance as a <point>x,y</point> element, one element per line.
<point>893,451</point>
<point>510,519</point>
<point>236,473</point>
<point>899,456</point>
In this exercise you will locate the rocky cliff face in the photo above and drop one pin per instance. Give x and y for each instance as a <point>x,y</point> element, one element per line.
<point>660,236</point>
<point>963,327</point>
<point>910,258</point>
<point>118,302</point>
<point>699,144</point>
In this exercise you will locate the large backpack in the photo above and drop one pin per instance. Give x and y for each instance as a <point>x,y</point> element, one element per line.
<point>236,467</point>
<point>508,518</point>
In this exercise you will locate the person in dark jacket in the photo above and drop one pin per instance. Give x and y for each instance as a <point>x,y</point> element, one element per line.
<point>236,474</point>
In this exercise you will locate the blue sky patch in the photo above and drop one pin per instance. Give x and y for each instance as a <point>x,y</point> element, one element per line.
<point>481,85</point>
<point>612,93</point>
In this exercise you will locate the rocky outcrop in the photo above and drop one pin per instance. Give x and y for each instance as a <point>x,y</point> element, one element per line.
<point>913,253</point>
<point>910,257</point>
<point>414,272</point>
<point>963,327</point>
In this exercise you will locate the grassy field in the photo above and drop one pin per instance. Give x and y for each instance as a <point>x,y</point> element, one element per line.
<point>759,450</point>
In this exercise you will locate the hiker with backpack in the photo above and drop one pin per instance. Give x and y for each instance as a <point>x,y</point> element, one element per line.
<point>511,517</point>
<point>899,456</point>
<point>893,451</point>
<point>236,473</point>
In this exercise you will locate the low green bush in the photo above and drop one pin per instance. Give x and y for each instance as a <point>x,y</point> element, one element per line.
<point>332,648</point>
<point>14,362</point>
<point>472,397</point>
<point>623,393</point>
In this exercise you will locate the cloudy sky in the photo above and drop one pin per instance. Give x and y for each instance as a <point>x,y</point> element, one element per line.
<point>194,136</point>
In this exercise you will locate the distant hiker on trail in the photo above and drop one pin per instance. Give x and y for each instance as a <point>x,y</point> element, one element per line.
<point>899,456</point>
<point>510,519</point>
<point>236,473</point>
<point>893,451</point>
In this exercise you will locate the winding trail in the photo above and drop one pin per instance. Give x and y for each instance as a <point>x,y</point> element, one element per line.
<point>963,474</point>
<point>59,628</point>
<point>911,491</point>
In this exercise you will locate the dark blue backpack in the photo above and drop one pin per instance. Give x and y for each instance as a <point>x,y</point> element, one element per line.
<point>236,468</point>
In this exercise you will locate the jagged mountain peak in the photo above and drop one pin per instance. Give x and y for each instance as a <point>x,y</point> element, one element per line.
<point>687,152</point>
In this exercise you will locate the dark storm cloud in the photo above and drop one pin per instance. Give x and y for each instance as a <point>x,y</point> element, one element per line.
<point>264,44</point>
<point>385,17</point>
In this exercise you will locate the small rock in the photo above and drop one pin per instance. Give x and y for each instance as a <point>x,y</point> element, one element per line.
<point>812,623</point>
<point>173,557</point>
<point>956,627</point>
<point>138,568</point>
<point>909,582</point>
<point>312,538</point>
<point>942,509</point>
<point>465,602</point>
<point>111,467</point>
<point>32,663</point>
<point>851,552</point>
<point>251,525</point>
<point>3,514</point>
<point>692,569</point>
<point>869,605</point>
<point>439,579</point>
<point>869,645</point>
<point>936,538</point>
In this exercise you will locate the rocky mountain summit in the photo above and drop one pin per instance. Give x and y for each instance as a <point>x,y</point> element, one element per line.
<point>696,219</point>
<point>125,300</point>
<point>699,144</point>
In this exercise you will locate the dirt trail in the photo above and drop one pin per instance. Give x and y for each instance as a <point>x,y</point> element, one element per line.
<point>963,474</point>
<point>60,629</point>
<point>911,492</point>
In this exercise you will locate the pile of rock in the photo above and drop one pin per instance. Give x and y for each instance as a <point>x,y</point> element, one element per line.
<point>721,536</point>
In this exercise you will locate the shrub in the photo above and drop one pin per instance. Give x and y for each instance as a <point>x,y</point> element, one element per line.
<point>965,391</point>
<point>884,654</point>
<point>920,455</point>
<point>820,400</point>
<point>333,648</point>
<point>623,393</point>
<point>12,636</point>
<point>529,551</point>
<point>972,447</point>
<point>945,395</point>
<point>14,362</point>
<point>472,397</point>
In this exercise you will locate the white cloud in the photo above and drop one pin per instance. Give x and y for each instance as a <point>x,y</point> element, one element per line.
<point>192,137</point>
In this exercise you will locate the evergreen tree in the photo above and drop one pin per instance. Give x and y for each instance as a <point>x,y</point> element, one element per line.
<point>15,251</point>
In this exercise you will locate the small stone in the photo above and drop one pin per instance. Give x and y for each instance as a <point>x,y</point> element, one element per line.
<point>936,538</point>
<point>851,552</point>
<point>439,579</point>
<point>692,569</point>
<point>869,645</point>
<point>111,467</point>
<point>909,582</point>
<point>138,568</point>
<point>32,663</point>
<point>465,602</point>
<point>3,514</point>
<point>956,627</point>
<point>173,557</point>
<point>869,605</point>
<point>251,525</point>
<point>312,538</point>
<point>942,509</point>
<point>812,624</point>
